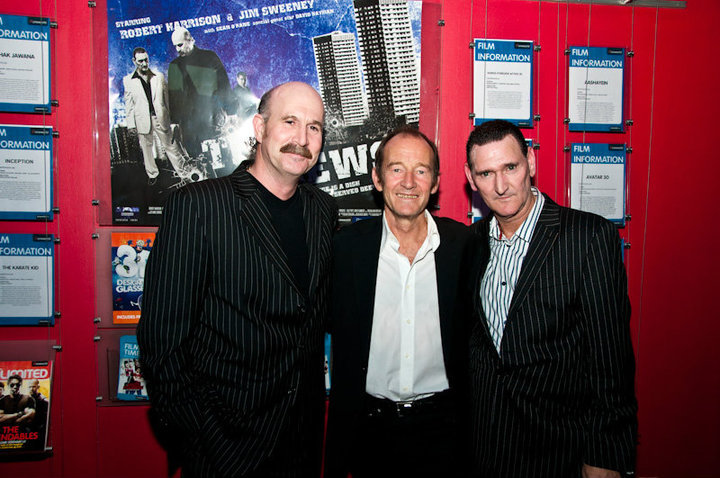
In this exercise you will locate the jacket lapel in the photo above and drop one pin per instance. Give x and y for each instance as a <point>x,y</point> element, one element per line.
<point>314,238</point>
<point>256,214</point>
<point>445,267</point>
<point>543,240</point>
<point>479,271</point>
<point>365,265</point>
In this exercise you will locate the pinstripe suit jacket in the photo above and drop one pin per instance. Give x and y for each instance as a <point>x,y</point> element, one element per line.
<point>561,391</point>
<point>355,265</point>
<point>228,341</point>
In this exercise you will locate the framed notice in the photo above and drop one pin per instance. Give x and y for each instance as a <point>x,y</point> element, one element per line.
<point>26,173</point>
<point>26,279</point>
<point>24,64</point>
<point>596,76</point>
<point>502,81</point>
<point>597,179</point>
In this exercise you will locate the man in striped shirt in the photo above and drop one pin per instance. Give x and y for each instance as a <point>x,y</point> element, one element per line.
<point>551,359</point>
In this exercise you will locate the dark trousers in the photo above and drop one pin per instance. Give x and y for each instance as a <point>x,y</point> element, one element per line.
<point>419,441</point>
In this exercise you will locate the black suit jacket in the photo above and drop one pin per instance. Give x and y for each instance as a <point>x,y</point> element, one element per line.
<point>229,344</point>
<point>356,253</point>
<point>561,391</point>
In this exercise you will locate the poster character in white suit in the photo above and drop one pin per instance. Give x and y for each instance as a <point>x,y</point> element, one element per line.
<point>146,106</point>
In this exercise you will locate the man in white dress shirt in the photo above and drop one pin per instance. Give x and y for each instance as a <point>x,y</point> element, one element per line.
<point>397,326</point>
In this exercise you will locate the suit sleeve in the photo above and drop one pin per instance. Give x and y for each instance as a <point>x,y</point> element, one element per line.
<point>610,423</point>
<point>129,103</point>
<point>175,283</point>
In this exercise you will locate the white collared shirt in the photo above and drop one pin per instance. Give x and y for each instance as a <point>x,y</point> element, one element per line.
<point>503,269</point>
<point>406,356</point>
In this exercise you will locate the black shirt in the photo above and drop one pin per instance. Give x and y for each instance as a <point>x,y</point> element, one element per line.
<point>287,218</point>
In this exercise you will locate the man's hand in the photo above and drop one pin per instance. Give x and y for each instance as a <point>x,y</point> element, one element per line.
<point>176,134</point>
<point>132,131</point>
<point>595,472</point>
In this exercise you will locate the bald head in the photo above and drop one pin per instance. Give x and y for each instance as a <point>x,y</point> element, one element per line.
<point>183,41</point>
<point>306,91</point>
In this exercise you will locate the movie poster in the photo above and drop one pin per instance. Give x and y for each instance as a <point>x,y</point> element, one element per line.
<point>363,56</point>
<point>131,384</point>
<point>130,252</point>
<point>24,405</point>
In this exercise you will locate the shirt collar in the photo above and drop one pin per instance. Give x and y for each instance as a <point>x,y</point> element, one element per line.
<point>526,229</point>
<point>431,242</point>
<point>137,75</point>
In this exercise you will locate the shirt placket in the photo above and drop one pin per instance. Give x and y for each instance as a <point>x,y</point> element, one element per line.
<point>407,327</point>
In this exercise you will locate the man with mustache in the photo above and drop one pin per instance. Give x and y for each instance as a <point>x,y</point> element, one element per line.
<point>397,326</point>
<point>236,289</point>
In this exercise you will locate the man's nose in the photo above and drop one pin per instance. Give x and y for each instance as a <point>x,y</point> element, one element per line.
<point>500,184</point>
<point>409,180</point>
<point>301,135</point>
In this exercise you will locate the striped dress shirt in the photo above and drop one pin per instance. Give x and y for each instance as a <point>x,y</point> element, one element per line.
<point>503,270</point>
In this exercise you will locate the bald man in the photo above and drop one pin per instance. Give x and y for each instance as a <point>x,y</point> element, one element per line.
<point>199,92</point>
<point>231,334</point>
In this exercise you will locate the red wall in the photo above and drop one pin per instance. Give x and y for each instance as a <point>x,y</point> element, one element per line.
<point>671,180</point>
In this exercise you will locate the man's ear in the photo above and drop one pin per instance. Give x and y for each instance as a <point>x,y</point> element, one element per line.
<point>469,176</point>
<point>258,127</point>
<point>531,162</point>
<point>376,180</point>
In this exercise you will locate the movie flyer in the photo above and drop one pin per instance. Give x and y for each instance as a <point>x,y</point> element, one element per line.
<point>24,64</point>
<point>27,279</point>
<point>26,173</point>
<point>207,64</point>
<point>24,405</point>
<point>131,385</point>
<point>130,252</point>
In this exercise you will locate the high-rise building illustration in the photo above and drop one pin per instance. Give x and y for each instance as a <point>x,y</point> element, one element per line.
<point>392,74</point>
<point>338,70</point>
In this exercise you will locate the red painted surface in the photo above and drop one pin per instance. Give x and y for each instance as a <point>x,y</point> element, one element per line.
<point>672,180</point>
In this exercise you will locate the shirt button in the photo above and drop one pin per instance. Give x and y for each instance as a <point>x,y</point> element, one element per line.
<point>503,283</point>
<point>408,321</point>
<point>301,308</point>
<point>291,391</point>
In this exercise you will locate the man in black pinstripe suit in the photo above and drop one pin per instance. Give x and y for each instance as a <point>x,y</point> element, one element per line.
<point>551,359</point>
<point>236,289</point>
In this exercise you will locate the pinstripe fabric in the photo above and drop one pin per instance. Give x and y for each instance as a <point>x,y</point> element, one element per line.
<point>561,391</point>
<point>230,346</point>
<point>503,269</point>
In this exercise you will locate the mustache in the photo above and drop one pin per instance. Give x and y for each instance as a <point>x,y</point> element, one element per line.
<point>293,148</point>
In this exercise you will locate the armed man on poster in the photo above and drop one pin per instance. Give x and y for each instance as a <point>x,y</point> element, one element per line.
<point>199,91</point>
<point>235,303</point>
<point>397,403</point>
<point>551,359</point>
